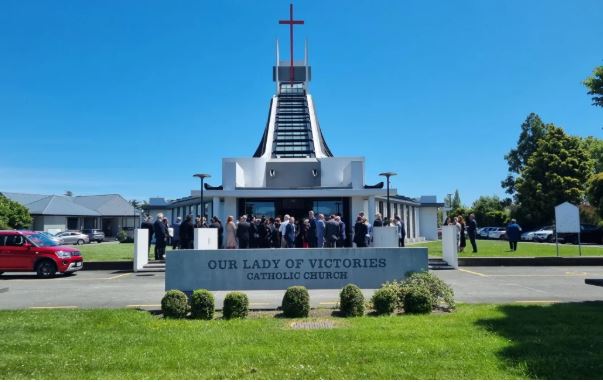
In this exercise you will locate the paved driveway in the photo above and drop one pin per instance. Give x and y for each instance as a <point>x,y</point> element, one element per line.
<point>91,289</point>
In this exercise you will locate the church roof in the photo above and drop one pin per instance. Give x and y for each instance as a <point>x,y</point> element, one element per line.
<point>92,205</point>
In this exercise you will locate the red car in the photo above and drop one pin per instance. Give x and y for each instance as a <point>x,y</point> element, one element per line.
<point>30,251</point>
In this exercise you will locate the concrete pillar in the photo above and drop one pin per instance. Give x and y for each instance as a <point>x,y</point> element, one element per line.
<point>417,223</point>
<point>370,214</point>
<point>449,245</point>
<point>141,248</point>
<point>230,208</point>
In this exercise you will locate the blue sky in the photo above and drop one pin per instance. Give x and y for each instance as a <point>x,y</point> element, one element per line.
<point>133,97</point>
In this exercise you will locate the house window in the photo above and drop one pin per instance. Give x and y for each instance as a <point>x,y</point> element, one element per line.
<point>381,208</point>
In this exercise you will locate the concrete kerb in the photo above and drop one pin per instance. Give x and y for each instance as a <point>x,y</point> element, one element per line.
<point>463,261</point>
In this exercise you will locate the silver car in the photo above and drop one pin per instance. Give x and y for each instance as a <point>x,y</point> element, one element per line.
<point>73,237</point>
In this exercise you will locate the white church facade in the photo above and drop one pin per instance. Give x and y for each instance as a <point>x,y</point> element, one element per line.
<point>293,171</point>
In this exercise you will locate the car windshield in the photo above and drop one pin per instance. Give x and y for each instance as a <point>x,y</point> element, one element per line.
<point>40,240</point>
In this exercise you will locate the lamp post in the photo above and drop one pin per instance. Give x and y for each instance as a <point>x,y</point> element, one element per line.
<point>202,177</point>
<point>388,175</point>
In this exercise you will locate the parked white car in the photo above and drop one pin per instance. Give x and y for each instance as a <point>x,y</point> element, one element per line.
<point>545,234</point>
<point>527,236</point>
<point>497,233</point>
<point>483,232</point>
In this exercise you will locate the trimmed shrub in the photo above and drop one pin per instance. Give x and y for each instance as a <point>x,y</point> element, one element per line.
<point>351,301</point>
<point>174,304</point>
<point>385,300</point>
<point>202,304</point>
<point>442,295</point>
<point>296,302</point>
<point>418,300</point>
<point>236,305</point>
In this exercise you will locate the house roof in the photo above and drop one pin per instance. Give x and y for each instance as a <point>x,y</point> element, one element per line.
<point>93,205</point>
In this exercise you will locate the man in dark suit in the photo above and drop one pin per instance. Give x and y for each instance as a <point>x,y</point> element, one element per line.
<point>312,240</point>
<point>148,225</point>
<point>331,232</point>
<point>187,233</point>
<point>290,233</point>
<point>342,234</point>
<point>472,231</point>
<point>243,232</point>
<point>161,237</point>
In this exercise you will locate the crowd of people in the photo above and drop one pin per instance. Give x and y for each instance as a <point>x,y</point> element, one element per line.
<point>315,231</point>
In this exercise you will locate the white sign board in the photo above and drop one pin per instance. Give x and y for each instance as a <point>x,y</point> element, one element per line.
<point>567,218</point>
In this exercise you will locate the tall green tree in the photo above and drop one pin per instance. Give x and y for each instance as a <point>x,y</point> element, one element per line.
<point>594,147</point>
<point>557,171</point>
<point>595,193</point>
<point>13,214</point>
<point>532,130</point>
<point>490,211</point>
<point>594,84</point>
<point>456,200</point>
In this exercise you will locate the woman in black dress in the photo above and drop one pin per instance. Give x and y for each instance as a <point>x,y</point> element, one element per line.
<point>462,240</point>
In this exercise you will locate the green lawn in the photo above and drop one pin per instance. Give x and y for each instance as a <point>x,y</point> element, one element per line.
<point>500,248</point>
<point>476,342</point>
<point>111,252</point>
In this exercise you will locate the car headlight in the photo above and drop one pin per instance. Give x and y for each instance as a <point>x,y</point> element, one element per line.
<point>63,254</point>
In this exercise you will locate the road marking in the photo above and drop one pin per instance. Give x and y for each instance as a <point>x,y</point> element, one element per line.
<point>536,276</point>
<point>118,276</point>
<point>473,273</point>
<point>537,301</point>
<point>55,307</point>
<point>142,306</point>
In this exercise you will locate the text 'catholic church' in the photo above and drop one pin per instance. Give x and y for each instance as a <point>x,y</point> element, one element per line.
<point>293,170</point>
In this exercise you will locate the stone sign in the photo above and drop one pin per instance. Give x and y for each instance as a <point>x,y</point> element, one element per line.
<point>269,269</point>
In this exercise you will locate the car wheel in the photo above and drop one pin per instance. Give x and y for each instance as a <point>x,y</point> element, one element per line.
<point>46,269</point>
<point>80,242</point>
<point>550,239</point>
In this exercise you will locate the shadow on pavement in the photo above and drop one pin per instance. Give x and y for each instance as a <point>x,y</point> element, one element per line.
<point>559,341</point>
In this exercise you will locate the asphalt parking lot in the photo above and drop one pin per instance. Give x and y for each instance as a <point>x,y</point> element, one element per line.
<point>117,289</point>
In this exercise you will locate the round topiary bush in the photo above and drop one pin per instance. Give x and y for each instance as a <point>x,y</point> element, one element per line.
<point>236,305</point>
<point>174,304</point>
<point>442,295</point>
<point>418,300</point>
<point>202,304</point>
<point>385,300</point>
<point>296,302</point>
<point>351,301</point>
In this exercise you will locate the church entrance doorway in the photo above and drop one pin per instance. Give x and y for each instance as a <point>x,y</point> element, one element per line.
<point>298,207</point>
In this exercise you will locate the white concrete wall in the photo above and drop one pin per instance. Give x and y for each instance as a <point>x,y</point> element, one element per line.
<point>428,222</point>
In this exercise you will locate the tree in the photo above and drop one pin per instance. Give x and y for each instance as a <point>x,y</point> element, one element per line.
<point>490,211</point>
<point>456,200</point>
<point>594,84</point>
<point>595,193</point>
<point>12,214</point>
<point>532,130</point>
<point>556,172</point>
<point>594,147</point>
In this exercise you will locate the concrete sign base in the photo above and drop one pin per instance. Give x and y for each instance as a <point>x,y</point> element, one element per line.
<point>270,269</point>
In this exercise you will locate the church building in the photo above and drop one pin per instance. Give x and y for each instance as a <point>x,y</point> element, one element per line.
<point>294,171</point>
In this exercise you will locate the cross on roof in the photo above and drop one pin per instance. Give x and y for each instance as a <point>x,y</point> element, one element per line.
<point>291,22</point>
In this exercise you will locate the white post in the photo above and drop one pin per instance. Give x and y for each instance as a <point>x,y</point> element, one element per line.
<point>385,237</point>
<point>141,248</point>
<point>206,238</point>
<point>449,245</point>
